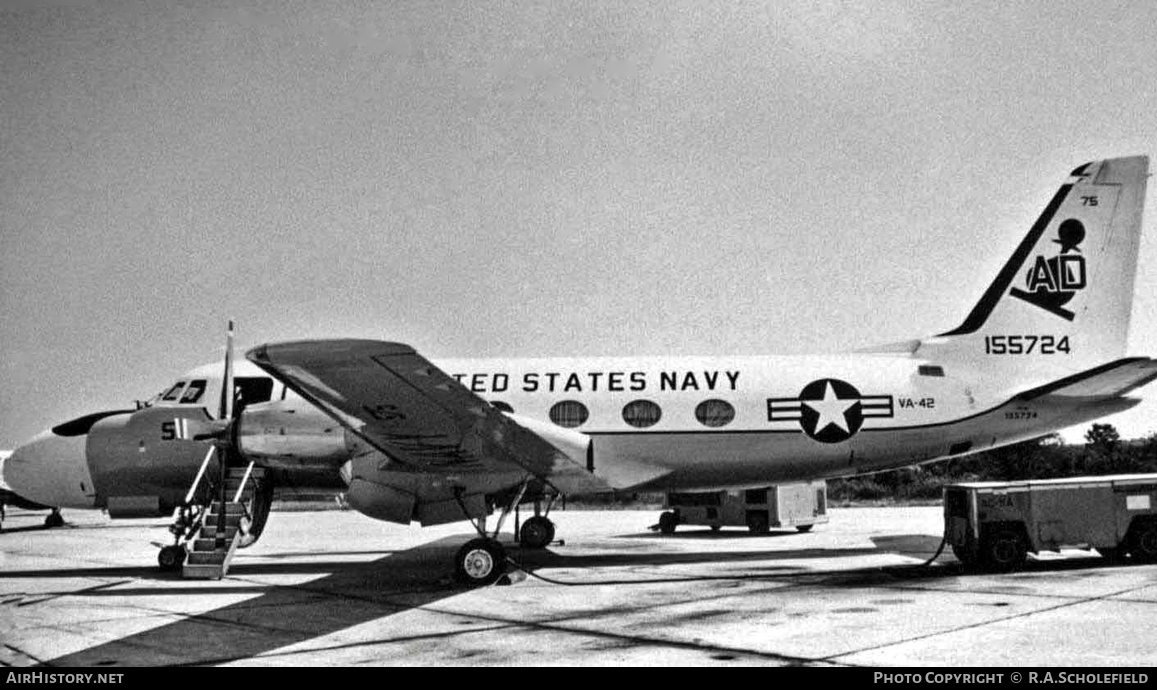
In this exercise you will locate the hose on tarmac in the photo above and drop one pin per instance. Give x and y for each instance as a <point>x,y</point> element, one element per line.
<point>899,571</point>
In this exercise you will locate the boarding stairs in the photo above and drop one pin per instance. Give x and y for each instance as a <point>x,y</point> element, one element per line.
<point>223,525</point>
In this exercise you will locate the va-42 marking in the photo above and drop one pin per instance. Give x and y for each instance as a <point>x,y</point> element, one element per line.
<point>1026,345</point>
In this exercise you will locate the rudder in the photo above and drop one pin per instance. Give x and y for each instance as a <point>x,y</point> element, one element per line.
<point>1063,300</point>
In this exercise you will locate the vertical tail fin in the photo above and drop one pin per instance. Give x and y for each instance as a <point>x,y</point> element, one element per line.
<point>1063,300</point>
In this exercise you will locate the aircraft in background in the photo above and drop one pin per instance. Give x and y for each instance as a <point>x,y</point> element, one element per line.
<point>8,497</point>
<point>408,439</point>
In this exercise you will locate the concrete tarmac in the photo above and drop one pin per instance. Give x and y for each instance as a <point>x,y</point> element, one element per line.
<point>336,588</point>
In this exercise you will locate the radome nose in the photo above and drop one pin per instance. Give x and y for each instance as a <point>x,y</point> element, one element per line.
<point>52,470</point>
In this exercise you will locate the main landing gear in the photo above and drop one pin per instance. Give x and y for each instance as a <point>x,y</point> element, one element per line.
<point>482,561</point>
<point>538,531</point>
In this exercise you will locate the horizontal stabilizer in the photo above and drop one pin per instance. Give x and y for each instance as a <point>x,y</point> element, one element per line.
<point>1107,381</point>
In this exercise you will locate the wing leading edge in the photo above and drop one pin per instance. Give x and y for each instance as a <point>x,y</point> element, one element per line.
<point>401,404</point>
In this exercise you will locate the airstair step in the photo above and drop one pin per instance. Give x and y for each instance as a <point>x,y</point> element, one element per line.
<point>194,571</point>
<point>240,472</point>
<point>207,557</point>
<point>207,541</point>
<point>230,521</point>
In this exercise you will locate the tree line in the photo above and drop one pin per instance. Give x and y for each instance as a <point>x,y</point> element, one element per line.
<point>1047,457</point>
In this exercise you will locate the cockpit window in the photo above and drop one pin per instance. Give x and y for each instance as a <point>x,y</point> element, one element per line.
<point>194,392</point>
<point>175,392</point>
<point>248,390</point>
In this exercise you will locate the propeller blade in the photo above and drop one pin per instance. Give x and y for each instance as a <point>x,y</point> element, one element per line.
<point>227,392</point>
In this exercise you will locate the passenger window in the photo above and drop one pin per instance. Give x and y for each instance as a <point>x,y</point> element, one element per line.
<point>642,413</point>
<point>195,391</point>
<point>714,413</point>
<point>569,413</point>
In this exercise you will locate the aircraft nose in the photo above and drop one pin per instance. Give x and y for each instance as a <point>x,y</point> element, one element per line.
<point>51,469</point>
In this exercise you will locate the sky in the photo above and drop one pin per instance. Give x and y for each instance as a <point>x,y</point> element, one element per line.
<point>533,179</point>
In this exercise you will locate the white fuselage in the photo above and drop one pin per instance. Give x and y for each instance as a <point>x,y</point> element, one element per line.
<point>900,411</point>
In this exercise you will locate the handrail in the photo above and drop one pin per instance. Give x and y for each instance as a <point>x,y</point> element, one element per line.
<point>241,488</point>
<point>200,474</point>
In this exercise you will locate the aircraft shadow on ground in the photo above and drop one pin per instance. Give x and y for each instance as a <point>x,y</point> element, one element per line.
<point>349,595</point>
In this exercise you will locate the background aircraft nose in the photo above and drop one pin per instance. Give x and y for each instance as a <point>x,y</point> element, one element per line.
<point>51,469</point>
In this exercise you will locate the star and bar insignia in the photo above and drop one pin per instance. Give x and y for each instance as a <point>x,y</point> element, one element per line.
<point>829,410</point>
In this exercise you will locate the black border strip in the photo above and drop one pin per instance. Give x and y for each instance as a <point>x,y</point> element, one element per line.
<point>996,290</point>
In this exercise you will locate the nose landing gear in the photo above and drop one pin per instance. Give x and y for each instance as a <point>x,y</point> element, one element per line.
<point>171,557</point>
<point>54,519</point>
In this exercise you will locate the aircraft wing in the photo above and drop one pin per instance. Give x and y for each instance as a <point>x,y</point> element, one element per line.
<point>1107,381</point>
<point>419,416</point>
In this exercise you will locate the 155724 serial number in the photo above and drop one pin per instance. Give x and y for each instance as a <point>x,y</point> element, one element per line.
<point>1026,345</point>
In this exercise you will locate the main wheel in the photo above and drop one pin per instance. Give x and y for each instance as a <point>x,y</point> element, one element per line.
<point>258,507</point>
<point>536,533</point>
<point>668,522</point>
<point>757,523</point>
<point>480,562</point>
<point>964,556</point>
<point>1112,554</point>
<point>1003,551</point>
<point>804,528</point>
<point>1143,542</point>
<point>171,558</point>
<point>54,519</point>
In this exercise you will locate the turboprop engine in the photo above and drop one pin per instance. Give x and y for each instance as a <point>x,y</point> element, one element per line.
<point>293,435</point>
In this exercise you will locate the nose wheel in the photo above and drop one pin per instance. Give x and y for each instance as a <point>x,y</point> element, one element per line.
<point>171,558</point>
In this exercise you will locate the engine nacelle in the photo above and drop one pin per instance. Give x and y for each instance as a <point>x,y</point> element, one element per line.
<point>292,434</point>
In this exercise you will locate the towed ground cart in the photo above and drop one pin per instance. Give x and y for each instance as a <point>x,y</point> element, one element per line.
<point>994,525</point>
<point>788,505</point>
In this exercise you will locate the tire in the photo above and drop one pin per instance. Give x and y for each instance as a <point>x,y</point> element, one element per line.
<point>1143,542</point>
<point>1003,551</point>
<point>480,562</point>
<point>258,506</point>
<point>171,558</point>
<point>536,533</point>
<point>668,522</point>
<point>804,528</point>
<point>54,519</point>
<point>757,523</point>
<point>964,556</point>
<point>1110,554</point>
<point>716,528</point>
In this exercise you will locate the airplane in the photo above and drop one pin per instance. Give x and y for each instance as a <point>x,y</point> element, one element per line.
<point>412,440</point>
<point>8,497</point>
